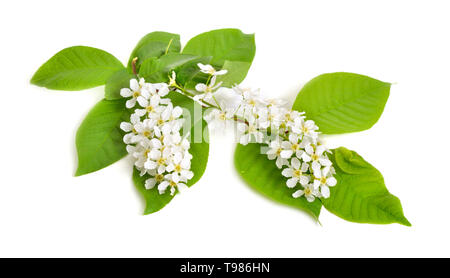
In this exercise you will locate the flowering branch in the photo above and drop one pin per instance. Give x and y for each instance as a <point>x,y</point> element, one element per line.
<point>159,150</point>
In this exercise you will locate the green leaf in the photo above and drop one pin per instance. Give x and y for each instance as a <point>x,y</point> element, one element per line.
<point>153,200</point>
<point>155,44</point>
<point>263,175</point>
<point>222,45</point>
<point>237,71</point>
<point>158,70</point>
<point>199,149</point>
<point>76,68</point>
<point>120,79</point>
<point>360,194</point>
<point>229,48</point>
<point>99,138</point>
<point>343,102</point>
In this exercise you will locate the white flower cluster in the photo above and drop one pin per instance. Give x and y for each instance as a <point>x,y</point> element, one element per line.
<point>292,140</point>
<point>153,136</point>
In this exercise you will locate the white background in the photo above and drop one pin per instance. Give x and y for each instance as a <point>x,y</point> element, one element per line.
<point>45,211</point>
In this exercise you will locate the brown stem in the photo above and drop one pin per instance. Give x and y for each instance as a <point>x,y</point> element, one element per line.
<point>133,65</point>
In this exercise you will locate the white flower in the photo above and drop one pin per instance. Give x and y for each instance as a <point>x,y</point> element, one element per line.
<point>150,105</point>
<point>129,127</point>
<point>316,155</point>
<point>137,90</point>
<point>180,166</point>
<point>293,146</point>
<point>206,89</point>
<point>144,130</point>
<point>324,179</point>
<point>208,69</point>
<point>218,119</point>
<point>151,182</point>
<point>303,127</point>
<point>289,117</point>
<point>158,159</point>
<point>172,80</point>
<point>275,151</point>
<point>249,130</point>
<point>173,181</point>
<point>308,191</point>
<point>296,173</point>
<point>270,117</point>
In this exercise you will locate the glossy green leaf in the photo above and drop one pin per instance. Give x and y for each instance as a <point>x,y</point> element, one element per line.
<point>158,70</point>
<point>117,81</point>
<point>76,68</point>
<point>155,44</point>
<point>360,194</point>
<point>99,138</point>
<point>197,130</point>
<point>263,175</point>
<point>343,102</point>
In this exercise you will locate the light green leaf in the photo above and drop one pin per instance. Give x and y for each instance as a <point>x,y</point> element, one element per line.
<point>199,149</point>
<point>99,138</point>
<point>343,102</point>
<point>263,175</point>
<point>158,70</point>
<point>222,45</point>
<point>76,68</point>
<point>229,49</point>
<point>155,44</point>
<point>237,71</point>
<point>120,79</point>
<point>360,194</point>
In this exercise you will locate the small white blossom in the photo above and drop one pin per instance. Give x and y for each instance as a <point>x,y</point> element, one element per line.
<point>296,173</point>
<point>207,90</point>
<point>208,69</point>
<point>136,90</point>
<point>275,153</point>
<point>315,155</point>
<point>308,191</point>
<point>324,179</point>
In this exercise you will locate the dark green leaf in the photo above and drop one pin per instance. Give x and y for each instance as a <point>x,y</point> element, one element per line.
<point>117,81</point>
<point>360,194</point>
<point>263,175</point>
<point>76,68</point>
<point>99,137</point>
<point>343,102</point>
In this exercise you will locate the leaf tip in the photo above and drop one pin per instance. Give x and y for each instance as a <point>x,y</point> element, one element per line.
<point>405,222</point>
